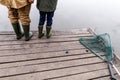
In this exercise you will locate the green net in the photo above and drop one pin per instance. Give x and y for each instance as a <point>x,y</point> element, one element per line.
<point>99,44</point>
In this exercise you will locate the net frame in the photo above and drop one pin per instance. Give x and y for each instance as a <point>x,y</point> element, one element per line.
<point>99,43</point>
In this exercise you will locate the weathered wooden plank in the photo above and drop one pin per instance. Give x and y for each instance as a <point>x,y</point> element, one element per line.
<point>84,60</point>
<point>39,45</point>
<point>73,31</point>
<point>55,32</point>
<point>12,37</point>
<point>78,31</point>
<point>75,72</point>
<point>38,41</point>
<point>36,50</point>
<point>18,58</point>
<point>106,78</point>
<point>83,76</point>
<point>43,67</point>
<point>53,35</point>
<point>7,33</point>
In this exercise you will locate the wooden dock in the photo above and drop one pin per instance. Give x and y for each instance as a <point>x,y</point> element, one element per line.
<point>61,57</point>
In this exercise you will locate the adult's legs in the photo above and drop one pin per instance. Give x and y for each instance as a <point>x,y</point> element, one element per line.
<point>25,20</point>
<point>13,16</point>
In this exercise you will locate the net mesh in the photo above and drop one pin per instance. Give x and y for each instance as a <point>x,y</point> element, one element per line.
<point>99,44</point>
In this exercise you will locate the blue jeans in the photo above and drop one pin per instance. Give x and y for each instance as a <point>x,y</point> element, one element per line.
<point>44,15</point>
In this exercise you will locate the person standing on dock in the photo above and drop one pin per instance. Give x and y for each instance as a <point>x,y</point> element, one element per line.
<point>46,9</point>
<point>19,10</point>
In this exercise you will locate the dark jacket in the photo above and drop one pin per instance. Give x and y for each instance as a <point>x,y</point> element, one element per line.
<point>46,5</point>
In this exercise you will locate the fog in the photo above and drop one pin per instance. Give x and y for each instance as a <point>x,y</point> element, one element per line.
<point>103,16</point>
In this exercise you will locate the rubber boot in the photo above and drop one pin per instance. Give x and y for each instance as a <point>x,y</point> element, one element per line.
<point>48,29</point>
<point>40,31</point>
<point>27,33</point>
<point>17,30</point>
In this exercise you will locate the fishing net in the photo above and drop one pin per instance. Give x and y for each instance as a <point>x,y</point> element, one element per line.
<point>99,44</point>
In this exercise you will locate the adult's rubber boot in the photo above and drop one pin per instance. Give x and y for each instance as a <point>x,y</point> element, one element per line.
<point>27,33</point>
<point>40,31</point>
<point>17,30</point>
<point>48,29</point>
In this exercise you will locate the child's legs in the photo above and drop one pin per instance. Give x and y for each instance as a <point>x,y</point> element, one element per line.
<point>24,15</point>
<point>13,15</point>
<point>49,18</point>
<point>42,18</point>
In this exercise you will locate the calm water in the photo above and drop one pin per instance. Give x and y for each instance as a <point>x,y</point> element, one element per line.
<point>101,15</point>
